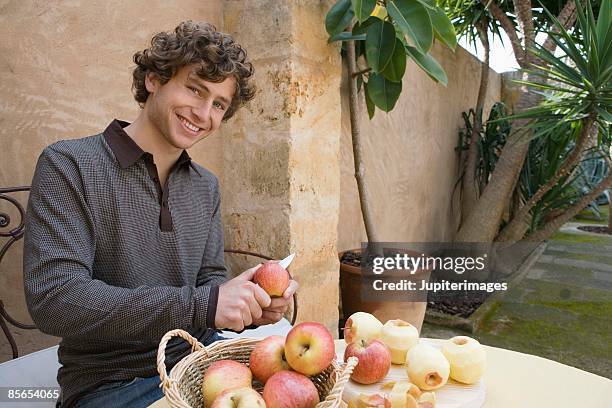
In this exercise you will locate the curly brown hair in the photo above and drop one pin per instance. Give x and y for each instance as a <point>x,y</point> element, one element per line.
<point>200,43</point>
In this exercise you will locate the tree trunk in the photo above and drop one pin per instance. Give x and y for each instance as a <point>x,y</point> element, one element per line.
<point>482,225</point>
<point>357,145</point>
<point>610,207</point>
<point>470,186</point>
<point>554,225</point>
<point>516,228</point>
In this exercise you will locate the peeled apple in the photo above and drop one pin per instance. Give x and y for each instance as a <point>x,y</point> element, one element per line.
<point>427,367</point>
<point>361,326</point>
<point>399,336</point>
<point>467,359</point>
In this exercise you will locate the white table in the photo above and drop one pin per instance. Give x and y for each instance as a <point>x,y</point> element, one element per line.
<point>522,380</point>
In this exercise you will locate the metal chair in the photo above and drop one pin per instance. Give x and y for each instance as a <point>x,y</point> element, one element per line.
<point>16,233</point>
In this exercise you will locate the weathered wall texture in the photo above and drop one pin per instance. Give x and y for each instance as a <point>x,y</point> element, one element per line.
<point>409,154</point>
<point>65,72</point>
<point>281,171</point>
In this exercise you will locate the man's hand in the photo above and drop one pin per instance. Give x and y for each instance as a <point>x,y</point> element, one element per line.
<point>241,302</point>
<point>277,308</point>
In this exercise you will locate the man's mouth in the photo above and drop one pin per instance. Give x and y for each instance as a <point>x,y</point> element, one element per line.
<point>188,124</point>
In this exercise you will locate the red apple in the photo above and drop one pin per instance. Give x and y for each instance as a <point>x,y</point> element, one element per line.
<point>223,375</point>
<point>309,348</point>
<point>244,397</point>
<point>288,389</point>
<point>273,278</point>
<point>268,357</point>
<point>374,360</point>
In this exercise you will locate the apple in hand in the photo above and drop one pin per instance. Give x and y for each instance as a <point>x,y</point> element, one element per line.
<point>272,278</point>
<point>374,360</point>
<point>427,367</point>
<point>361,326</point>
<point>268,357</point>
<point>223,375</point>
<point>467,359</point>
<point>399,336</point>
<point>370,401</point>
<point>288,389</point>
<point>309,348</point>
<point>244,397</point>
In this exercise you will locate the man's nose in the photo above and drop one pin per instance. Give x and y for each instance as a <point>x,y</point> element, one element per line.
<point>202,111</point>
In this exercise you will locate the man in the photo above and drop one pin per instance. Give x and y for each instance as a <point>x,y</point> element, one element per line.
<point>123,234</point>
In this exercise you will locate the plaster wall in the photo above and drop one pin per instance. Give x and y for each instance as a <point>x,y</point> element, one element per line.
<point>410,161</point>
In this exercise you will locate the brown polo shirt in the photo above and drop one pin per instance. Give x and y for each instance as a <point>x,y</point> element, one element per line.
<point>113,259</point>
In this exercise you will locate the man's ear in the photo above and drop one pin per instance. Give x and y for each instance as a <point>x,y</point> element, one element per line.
<point>151,82</point>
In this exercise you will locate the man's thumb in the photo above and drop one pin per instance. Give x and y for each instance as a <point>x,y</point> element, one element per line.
<point>249,273</point>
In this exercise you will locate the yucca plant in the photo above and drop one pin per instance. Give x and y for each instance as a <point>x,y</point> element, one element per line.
<point>577,87</point>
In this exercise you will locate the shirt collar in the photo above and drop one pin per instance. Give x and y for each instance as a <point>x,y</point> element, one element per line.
<point>127,151</point>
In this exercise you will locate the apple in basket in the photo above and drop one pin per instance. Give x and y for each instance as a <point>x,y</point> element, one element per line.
<point>288,389</point>
<point>361,326</point>
<point>427,367</point>
<point>223,375</point>
<point>374,360</point>
<point>370,401</point>
<point>467,359</point>
<point>244,397</point>
<point>268,357</point>
<point>309,348</point>
<point>272,278</point>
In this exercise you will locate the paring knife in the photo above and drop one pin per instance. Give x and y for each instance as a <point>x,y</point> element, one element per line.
<point>287,261</point>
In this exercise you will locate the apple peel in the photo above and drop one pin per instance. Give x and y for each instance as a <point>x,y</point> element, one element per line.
<point>403,394</point>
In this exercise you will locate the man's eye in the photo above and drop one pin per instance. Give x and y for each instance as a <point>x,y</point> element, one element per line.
<point>219,105</point>
<point>194,90</point>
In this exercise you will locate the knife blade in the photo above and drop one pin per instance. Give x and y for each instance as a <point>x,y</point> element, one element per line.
<point>287,261</point>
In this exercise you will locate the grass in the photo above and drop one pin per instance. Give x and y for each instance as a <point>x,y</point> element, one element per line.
<point>587,217</point>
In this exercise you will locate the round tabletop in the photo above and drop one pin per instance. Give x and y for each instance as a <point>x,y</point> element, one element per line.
<point>515,379</point>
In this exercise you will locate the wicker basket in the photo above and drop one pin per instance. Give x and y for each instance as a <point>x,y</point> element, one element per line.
<point>183,386</point>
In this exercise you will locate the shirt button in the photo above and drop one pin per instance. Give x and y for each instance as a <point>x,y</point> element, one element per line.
<point>156,179</point>
<point>165,204</point>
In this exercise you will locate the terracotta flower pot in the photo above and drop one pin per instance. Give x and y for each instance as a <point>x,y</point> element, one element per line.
<point>350,289</point>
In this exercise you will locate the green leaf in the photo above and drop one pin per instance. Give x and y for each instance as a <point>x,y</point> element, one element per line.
<point>380,43</point>
<point>338,17</point>
<point>363,8</point>
<point>428,3</point>
<point>369,103</point>
<point>346,36</point>
<point>443,27</point>
<point>428,64</point>
<point>384,93</point>
<point>362,28</point>
<point>397,66</point>
<point>413,18</point>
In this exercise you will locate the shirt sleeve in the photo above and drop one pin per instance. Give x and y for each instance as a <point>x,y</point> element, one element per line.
<point>213,271</point>
<point>59,249</point>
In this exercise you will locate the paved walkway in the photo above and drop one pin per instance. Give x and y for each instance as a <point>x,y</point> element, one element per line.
<point>562,310</point>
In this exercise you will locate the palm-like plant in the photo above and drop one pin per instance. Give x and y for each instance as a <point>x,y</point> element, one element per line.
<point>577,87</point>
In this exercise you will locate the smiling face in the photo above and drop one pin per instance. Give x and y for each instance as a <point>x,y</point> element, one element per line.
<point>187,108</point>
